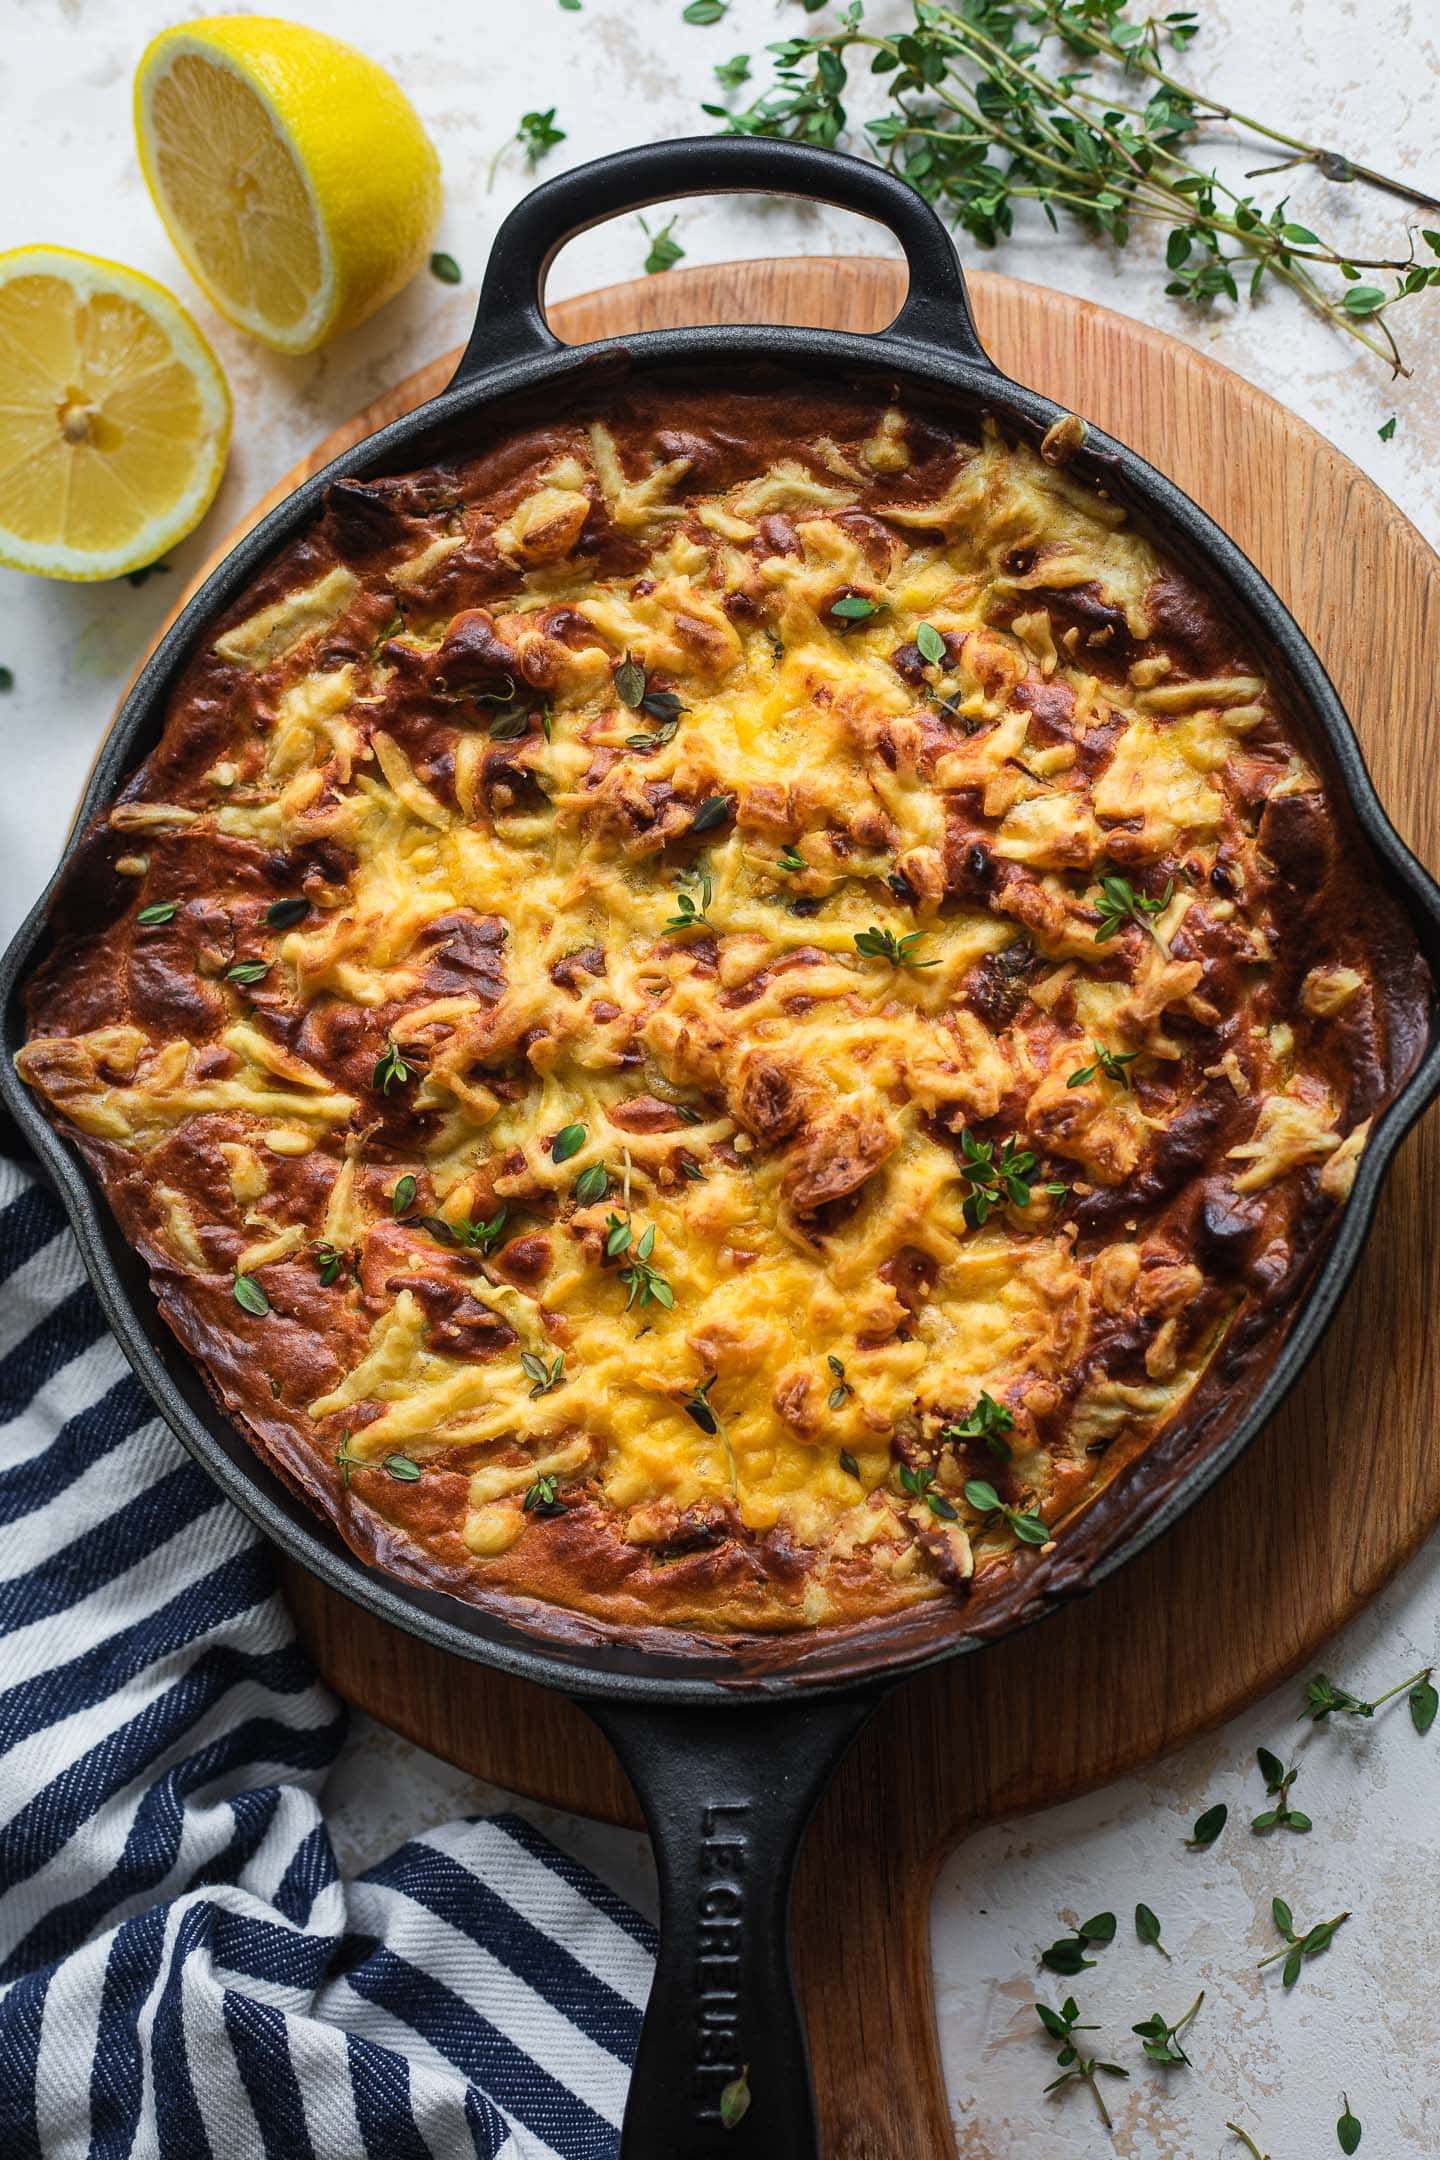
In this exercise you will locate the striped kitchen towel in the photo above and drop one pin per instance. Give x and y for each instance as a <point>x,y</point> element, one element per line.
<point>184,1970</point>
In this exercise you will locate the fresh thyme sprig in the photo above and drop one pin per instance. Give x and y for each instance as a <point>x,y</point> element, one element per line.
<point>632,687</point>
<point>992,1179</point>
<point>1278,1781</point>
<point>331,1260</point>
<point>989,1421</point>
<point>391,1070</point>
<point>990,111</point>
<point>403,1468</point>
<point>1120,903</point>
<point>878,944</point>
<point>545,1377</point>
<point>1161,2040</point>
<point>1110,1062</point>
<point>920,1484</point>
<point>1297,1948</point>
<point>1062,2025</point>
<point>645,1283</point>
<point>842,1389</point>
<point>1026,1525</point>
<point>1324,1697</point>
<point>689,916</point>
<point>481,1237</point>
<point>1066,1955</point>
<point>536,134</point>
<point>702,1412</point>
<point>540,1498</point>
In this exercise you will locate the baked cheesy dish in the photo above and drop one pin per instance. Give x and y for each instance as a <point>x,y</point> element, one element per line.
<point>720,1014</point>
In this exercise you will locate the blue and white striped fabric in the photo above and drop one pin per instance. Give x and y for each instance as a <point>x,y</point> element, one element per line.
<point>184,1971</point>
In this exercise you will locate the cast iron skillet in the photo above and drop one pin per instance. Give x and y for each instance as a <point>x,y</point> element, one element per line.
<point>729,1757</point>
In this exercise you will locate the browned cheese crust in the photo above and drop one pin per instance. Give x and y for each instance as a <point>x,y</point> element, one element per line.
<point>605,1016</point>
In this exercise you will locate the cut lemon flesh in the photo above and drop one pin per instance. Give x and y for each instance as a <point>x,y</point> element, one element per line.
<point>291,173</point>
<point>114,416</point>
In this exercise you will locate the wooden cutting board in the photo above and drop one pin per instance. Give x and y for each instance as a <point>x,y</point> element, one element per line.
<point>1332,1498</point>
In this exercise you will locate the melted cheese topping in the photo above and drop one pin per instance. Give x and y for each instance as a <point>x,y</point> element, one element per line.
<point>769,917</point>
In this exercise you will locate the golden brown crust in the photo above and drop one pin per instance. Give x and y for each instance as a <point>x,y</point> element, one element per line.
<point>931,1161</point>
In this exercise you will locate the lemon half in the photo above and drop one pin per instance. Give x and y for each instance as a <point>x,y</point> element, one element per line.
<point>292,175</point>
<point>114,416</point>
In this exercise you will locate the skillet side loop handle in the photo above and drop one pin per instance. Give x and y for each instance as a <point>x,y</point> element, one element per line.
<point>510,323</point>
<point>727,1793</point>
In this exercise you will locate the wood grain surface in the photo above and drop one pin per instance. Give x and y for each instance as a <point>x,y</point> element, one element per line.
<point>1350,1468</point>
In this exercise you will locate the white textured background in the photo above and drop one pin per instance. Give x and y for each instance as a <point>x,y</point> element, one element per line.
<point>1361,75</point>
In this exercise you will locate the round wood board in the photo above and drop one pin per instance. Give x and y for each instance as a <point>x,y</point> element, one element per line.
<point>1347,1468</point>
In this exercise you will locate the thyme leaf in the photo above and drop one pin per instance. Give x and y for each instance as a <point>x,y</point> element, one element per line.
<point>284,914</point>
<point>1208,1826</point>
<point>665,249</point>
<point>592,1185</point>
<point>735,2100</point>
<point>249,1296</point>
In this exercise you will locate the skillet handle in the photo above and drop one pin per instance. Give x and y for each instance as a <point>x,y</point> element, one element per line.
<point>510,324</point>
<point>727,1793</point>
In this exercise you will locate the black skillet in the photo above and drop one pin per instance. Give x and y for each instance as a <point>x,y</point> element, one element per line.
<point>728,1750</point>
